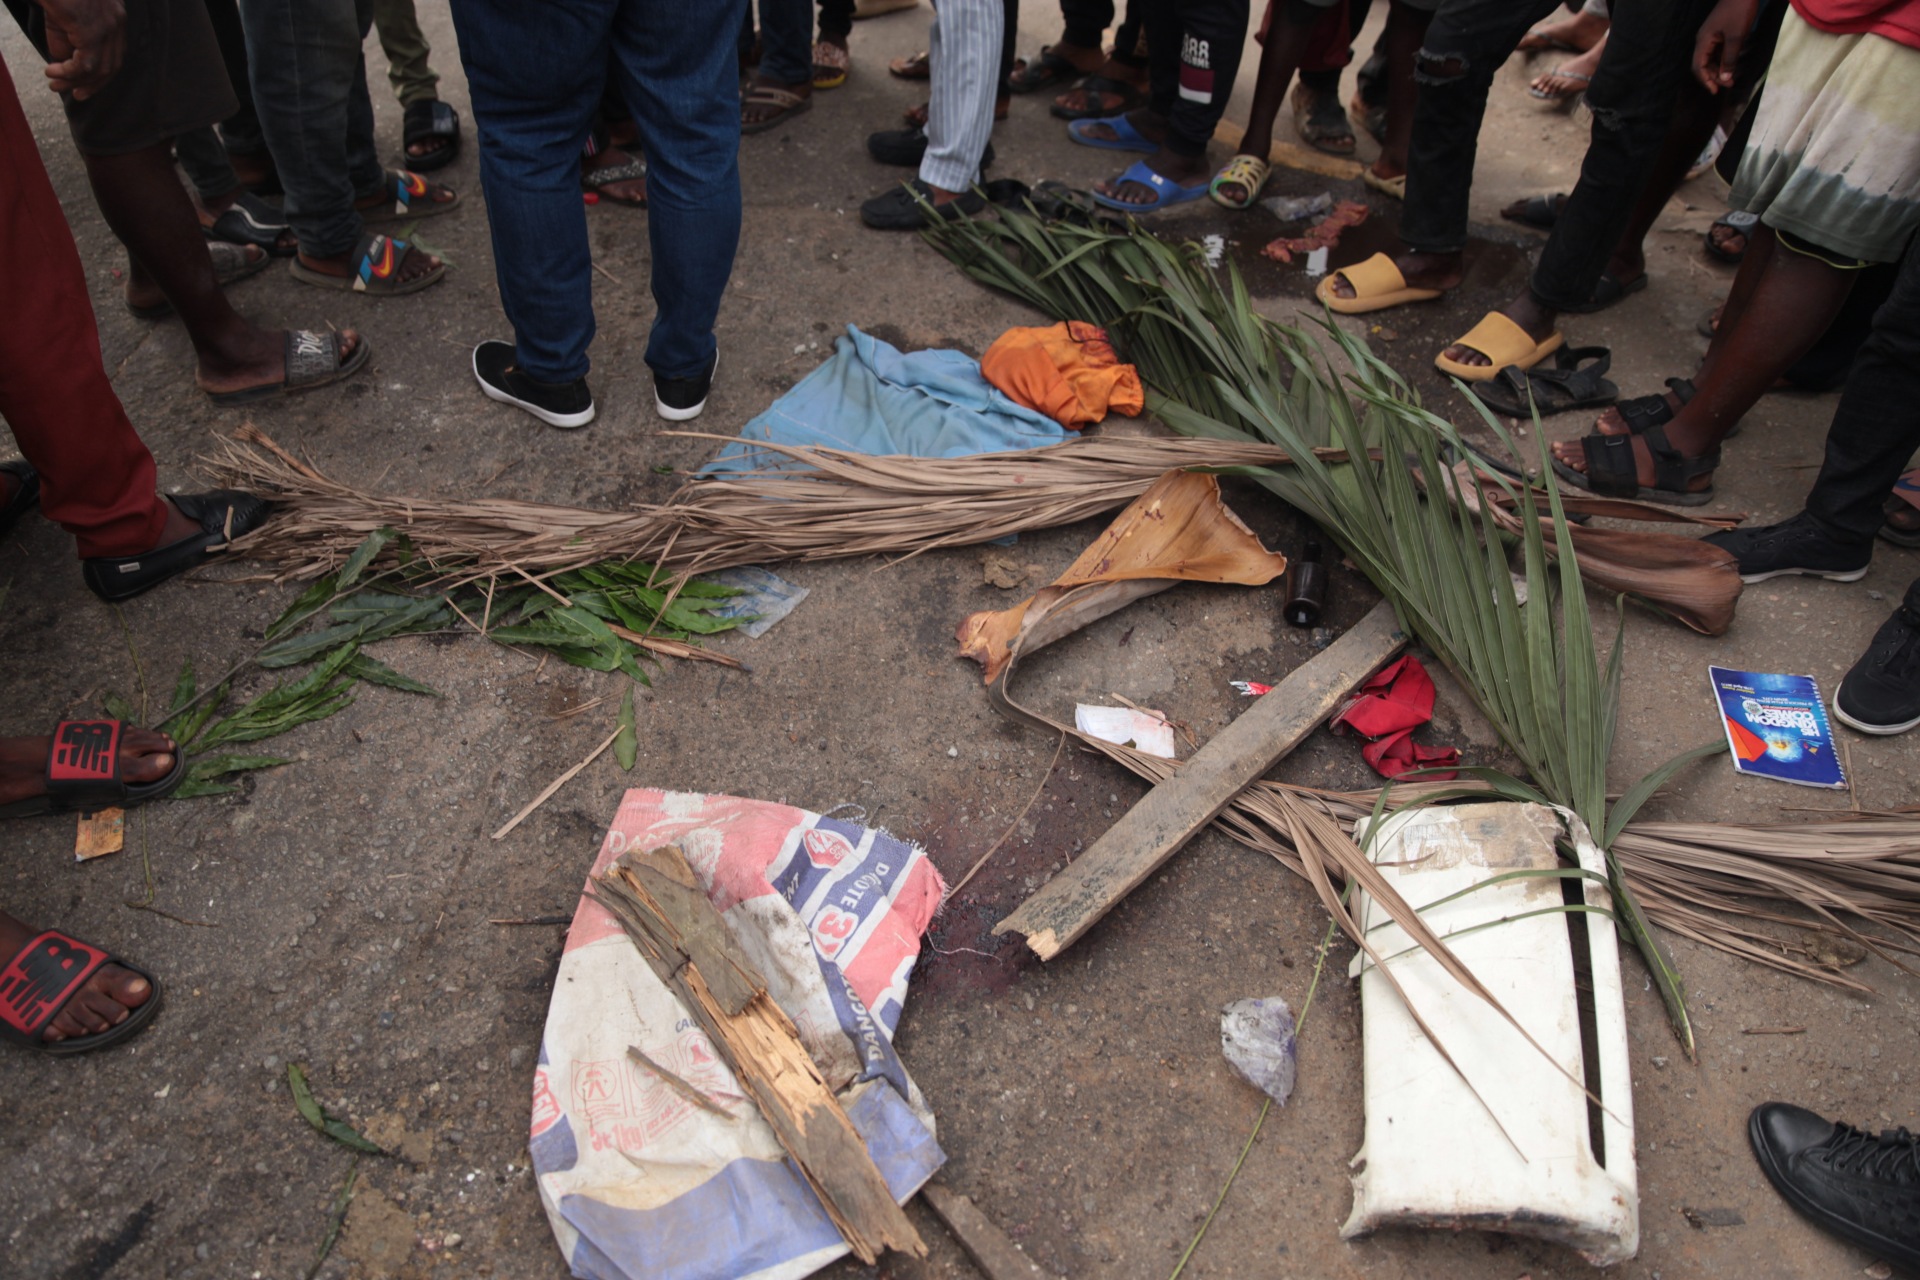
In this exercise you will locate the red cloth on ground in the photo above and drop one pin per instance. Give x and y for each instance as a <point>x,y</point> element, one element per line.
<point>96,478</point>
<point>1068,371</point>
<point>1387,710</point>
<point>1897,20</point>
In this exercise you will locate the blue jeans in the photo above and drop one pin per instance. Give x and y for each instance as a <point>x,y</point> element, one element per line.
<point>535,74</point>
<point>309,77</point>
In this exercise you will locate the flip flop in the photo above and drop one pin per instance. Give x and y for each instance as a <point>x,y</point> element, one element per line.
<point>1608,291</point>
<point>1249,172</point>
<point>1127,137</point>
<point>598,180</point>
<point>1043,72</point>
<point>312,360</point>
<point>1102,87</point>
<point>1166,191</point>
<point>1733,220</point>
<point>230,263</point>
<point>376,265</point>
<point>1576,381</point>
<point>1377,284</point>
<point>1897,505</point>
<point>47,973</point>
<point>1563,74</point>
<point>1612,473</point>
<point>83,773</point>
<point>252,221</point>
<point>409,191</point>
<point>786,106</point>
<point>425,121</point>
<point>1503,343</point>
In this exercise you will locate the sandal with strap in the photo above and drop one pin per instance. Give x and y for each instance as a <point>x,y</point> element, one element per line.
<point>376,269</point>
<point>1100,96</point>
<point>429,120</point>
<point>1612,472</point>
<point>785,102</point>
<point>832,64</point>
<point>1642,412</point>
<point>410,192</point>
<point>312,360</point>
<point>915,68</point>
<point>1044,72</point>
<point>230,263</point>
<point>249,220</point>
<point>45,975</point>
<point>601,180</point>
<point>1249,173</point>
<point>1577,381</point>
<point>1576,85</point>
<point>83,773</point>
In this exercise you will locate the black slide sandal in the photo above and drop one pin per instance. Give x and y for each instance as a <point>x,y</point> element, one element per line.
<point>83,773</point>
<point>47,973</point>
<point>424,121</point>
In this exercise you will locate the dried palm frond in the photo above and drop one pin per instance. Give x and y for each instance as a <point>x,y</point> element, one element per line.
<point>844,504</point>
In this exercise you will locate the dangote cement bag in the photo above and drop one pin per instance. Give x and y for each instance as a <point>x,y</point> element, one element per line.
<point>639,1182</point>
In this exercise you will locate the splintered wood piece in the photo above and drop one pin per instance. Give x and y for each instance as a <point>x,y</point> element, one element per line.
<point>997,1257</point>
<point>682,936</point>
<point>1064,908</point>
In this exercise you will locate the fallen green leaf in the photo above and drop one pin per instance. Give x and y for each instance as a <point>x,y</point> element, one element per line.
<point>311,1111</point>
<point>626,744</point>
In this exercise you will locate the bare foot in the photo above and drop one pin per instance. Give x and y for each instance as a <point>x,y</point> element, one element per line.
<point>1188,171</point>
<point>1570,77</point>
<point>108,999</point>
<point>1576,33</point>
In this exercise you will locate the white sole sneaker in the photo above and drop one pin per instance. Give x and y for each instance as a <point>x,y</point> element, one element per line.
<point>1877,730</point>
<point>565,421</point>
<point>1848,575</point>
<point>672,414</point>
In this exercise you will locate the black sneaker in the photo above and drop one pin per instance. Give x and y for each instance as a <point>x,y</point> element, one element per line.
<point>1860,1187</point>
<point>898,210</point>
<point>907,147</point>
<point>1882,693</point>
<point>26,494</point>
<point>1799,545</point>
<point>682,399</point>
<point>222,515</point>
<point>558,404</point>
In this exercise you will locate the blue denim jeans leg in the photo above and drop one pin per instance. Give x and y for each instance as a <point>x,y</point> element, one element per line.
<point>309,77</point>
<point>535,75</point>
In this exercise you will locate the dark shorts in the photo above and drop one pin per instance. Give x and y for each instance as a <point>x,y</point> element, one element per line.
<point>173,79</point>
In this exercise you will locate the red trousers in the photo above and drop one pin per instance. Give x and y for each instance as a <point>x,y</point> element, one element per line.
<point>96,478</point>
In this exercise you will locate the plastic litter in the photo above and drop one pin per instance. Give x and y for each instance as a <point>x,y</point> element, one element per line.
<point>1257,1037</point>
<point>1298,208</point>
<point>1148,730</point>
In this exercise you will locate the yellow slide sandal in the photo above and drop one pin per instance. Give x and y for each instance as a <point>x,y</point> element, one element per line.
<point>1503,343</point>
<point>1377,285</point>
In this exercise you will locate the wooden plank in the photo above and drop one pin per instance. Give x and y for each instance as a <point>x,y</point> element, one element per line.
<point>682,938</point>
<point>997,1257</point>
<point>1174,812</point>
<point>1294,156</point>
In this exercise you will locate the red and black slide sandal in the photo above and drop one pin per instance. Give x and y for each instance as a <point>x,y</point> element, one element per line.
<point>48,972</point>
<point>83,773</point>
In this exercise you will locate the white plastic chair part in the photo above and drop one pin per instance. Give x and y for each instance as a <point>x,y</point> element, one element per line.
<point>1518,1157</point>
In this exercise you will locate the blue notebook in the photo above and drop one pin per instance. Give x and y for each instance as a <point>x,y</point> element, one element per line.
<point>1777,727</point>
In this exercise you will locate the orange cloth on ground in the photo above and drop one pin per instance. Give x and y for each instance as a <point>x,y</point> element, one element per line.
<point>1067,371</point>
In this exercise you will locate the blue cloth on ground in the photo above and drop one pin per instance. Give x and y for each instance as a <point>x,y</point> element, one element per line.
<point>870,397</point>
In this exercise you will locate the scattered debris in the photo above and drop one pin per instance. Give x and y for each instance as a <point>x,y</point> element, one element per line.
<point>1323,234</point>
<point>1257,1035</point>
<point>100,834</point>
<point>678,1085</point>
<point>1306,588</point>
<point>764,598</point>
<point>1700,1219</point>
<point>1386,711</point>
<point>555,785</point>
<point>1298,208</point>
<point>1148,730</point>
<point>1773,1031</point>
<point>312,1112</point>
<point>998,1257</point>
<point>998,569</point>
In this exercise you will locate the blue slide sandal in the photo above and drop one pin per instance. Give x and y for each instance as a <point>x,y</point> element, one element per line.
<point>1167,192</point>
<point>1128,138</point>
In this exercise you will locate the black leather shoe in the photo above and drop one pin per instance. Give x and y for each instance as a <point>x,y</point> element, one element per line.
<point>26,494</point>
<point>1860,1187</point>
<point>897,210</point>
<point>223,515</point>
<point>907,147</point>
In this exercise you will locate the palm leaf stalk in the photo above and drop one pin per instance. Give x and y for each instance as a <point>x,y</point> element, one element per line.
<point>1222,370</point>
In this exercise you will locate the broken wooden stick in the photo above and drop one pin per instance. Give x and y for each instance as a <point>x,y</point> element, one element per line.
<point>1064,908</point>
<point>998,1257</point>
<point>658,900</point>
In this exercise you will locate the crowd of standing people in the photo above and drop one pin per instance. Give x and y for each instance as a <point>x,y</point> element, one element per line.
<point>266,108</point>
